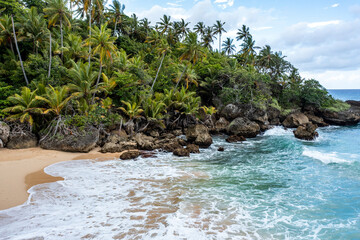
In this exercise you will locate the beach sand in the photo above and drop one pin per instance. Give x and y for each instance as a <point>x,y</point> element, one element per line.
<point>21,169</point>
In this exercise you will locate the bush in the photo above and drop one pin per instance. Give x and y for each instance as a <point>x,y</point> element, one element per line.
<point>312,93</point>
<point>338,106</point>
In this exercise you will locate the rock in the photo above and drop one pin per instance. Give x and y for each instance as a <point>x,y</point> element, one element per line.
<point>182,142</point>
<point>112,147</point>
<point>353,103</point>
<point>199,134</point>
<point>85,141</point>
<point>129,154</point>
<point>221,125</point>
<point>235,138</point>
<point>22,140</point>
<point>154,133</point>
<point>306,132</point>
<point>258,115</point>
<point>243,127</point>
<point>192,148</point>
<point>168,144</point>
<point>344,118</point>
<point>273,115</point>
<point>181,152</point>
<point>1,144</point>
<point>147,154</point>
<point>120,133</point>
<point>117,138</point>
<point>295,120</point>
<point>4,132</point>
<point>177,132</point>
<point>144,142</point>
<point>230,112</point>
<point>221,149</point>
<point>316,120</point>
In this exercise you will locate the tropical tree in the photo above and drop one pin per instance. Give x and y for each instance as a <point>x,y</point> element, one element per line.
<point>6,34</point>
<point>163,49</point>
<point>183,28</point>
<point>208,37</point>
<point>218,28</point>
<point>243,33</point>
<point>56,99</point>
<point>248,48</point>
<point>164,24</point>
<point>116,11</point>
<point>228,46</point>
<point>266,58</point>
<point>58,12</point>
<point>103,45</point>
<point>85,8</point>
<point>199,28</point>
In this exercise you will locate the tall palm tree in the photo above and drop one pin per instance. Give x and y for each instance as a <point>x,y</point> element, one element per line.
<point>58,12</point>
<point>228,46</point>
<point>218,28</point>
<point>104,46</point>
<point>6,34</point>
<point>85,8</point>
<point>183,28</point>
<point>117,11</point>
<point>266,57</point>
<point>248,48</point>
<point>164,24</point>
<point>199,28</point>
<point>145,23</point>
<point>243,33</point>
<point>163,49</point>
<point>208,37</point>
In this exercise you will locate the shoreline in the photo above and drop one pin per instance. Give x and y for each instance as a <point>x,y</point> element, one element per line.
<point>20,169</point>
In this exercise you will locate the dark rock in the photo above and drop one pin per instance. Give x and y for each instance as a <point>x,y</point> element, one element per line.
<point>230,112</point>
<point>154,133</point>
<point>344,118</point>
<point>168,144</point>
<point>258,115</point>
<point>182,142</point>
<point>306,132</point>
<point>353,103</point>
<point>295,120</point>
<point>22,140</point>
<point>85,141</point>
<point>177,132</point>
<point>221,149</point>
<point>193,148</point>
<point>199,134</point>
<point>221,125</point>
<point>273,115</point>
<point>235,138</point>
<point>147,154</point>
<point>181,152</point>
<point>4,132</point>
<point>112,147</point>
<point>243,127</point>
<point>144,142</point>
<point>316,120</point>
<point>129,154</point>
<point>1,144</point>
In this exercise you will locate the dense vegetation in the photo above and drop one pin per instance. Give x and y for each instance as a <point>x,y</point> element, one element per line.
<point>81,62</point>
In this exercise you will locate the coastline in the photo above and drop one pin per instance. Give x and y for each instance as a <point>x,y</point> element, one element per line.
<point>20,169</point>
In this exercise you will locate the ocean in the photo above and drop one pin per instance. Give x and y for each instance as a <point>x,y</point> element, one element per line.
<point>271,187</point>
<point>345,94</point>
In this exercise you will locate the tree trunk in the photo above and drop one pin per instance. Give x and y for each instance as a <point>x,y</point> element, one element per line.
<point>89,33</point>
<point>50,57</point>
<point>97,83</point>
<point>157,74</point>
<point>70,8</point>
<point>17,49</point>
<point>115,27</point>
<point>11,47</point>
<point>219,43</point>
<point>62,41</point>
<point>180,78</point>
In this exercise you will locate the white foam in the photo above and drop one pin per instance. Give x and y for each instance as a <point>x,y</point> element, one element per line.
<point>325,157</point>
<point>278,131</point>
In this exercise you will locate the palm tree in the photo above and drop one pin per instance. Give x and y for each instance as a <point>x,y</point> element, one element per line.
<point>243,33</point>
<point>183,28</point>
<point>57,12</point>
<point>165,23</point>
<point>56,99</point>
<point>85,8</point>
<point>208,37</point>
<point>266,57</point>
<point>248,48</point>
<point>145,23</point>
<point>6,34</point>
<point>17,49</point>
<point>163,49</point>
<point>103,44</point>
<point>228,46</point>
<point>117,11</point>
<point>25,106</point>
<point>218,28</point>
<point>199,28</point>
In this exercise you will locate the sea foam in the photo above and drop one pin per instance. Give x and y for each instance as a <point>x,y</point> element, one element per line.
<point>326,158</point>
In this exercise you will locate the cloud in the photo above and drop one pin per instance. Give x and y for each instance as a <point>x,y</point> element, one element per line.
<point>224,3</point>
<point>173,4</point>
<point>335,5</point>
<point>336,79</point>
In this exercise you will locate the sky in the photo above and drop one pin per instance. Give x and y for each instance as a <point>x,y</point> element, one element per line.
<point>319,37</point>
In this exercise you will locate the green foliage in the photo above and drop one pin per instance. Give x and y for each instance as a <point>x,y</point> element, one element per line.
<point>312,93</point>
<point>338,106</point>
<point>209,110</point>
<point>182,101</point>
<point>131,109</point>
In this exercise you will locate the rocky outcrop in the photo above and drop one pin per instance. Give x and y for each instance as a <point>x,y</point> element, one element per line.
<point>25,139</point>
<point>295,120</point>
<point>129,154</point>
<point>273,115</point>
<point>235,138</point>
<point>306,132</point>
<point>4,133</point>
<point>84,141</point>
<point>230,112</point>
<point>316,120</point>
<point>118,143</point>
<point>199,135</point>
<point>192,148</point>
<point>181,152</point>
<point>144,142</point>
<point>344,118</point>
<point>221,125</point>
<point>243,127</point>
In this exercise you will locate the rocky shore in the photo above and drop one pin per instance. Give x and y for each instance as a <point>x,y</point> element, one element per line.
<point>237,121</point>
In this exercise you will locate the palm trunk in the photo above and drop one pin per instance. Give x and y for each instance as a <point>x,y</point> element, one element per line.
<point>219,43</point>
<point>157,74</point>
<point>89,33</point>
<point>11,47</point>
<point>17,49</point>
<point>180,78</point>
<point>115,27</point>
<point>50,58</point>
<point>62,41</point>
<point>70,8</point>
<point>97,83</point>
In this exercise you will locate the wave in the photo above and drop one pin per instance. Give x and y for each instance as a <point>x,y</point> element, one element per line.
<point>326,158</point>
<point>278,131</point>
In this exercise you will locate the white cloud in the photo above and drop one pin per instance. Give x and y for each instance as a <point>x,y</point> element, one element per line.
<point>224,3</point>
<point>322,24</point>
<point>336,79</point>
<point>173,4</point>
<point>335,5</point>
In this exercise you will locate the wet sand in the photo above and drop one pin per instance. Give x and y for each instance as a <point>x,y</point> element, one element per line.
<point>23,168</point>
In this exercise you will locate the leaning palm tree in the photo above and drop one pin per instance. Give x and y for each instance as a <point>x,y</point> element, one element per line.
<point>228,46</point>
<point>219,29</point>
<point>163,49</point>
<point>116,11</point>
<point>58,12</point>
<point>25,106</point>
<point>164,24</point>
<point>243,33</point>
<point>103,45</point>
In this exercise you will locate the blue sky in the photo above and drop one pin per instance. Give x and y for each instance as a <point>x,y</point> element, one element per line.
<point>320,37</point>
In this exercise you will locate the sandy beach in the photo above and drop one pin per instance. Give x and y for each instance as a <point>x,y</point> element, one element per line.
<point>23,168</point>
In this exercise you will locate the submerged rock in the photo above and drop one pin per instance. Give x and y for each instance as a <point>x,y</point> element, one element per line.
<point>243,127</point>
<point>4,132</point>
<point>235,138</point>
<point>181,152</point>
<point>306,132</point>
<point>199,135</point>
<point>129,154</point>
<point>221,149</point>
<point>295,120</point>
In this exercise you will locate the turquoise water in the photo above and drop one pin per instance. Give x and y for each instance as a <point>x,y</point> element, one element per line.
<point>270,187</point>
<point>346,94</point>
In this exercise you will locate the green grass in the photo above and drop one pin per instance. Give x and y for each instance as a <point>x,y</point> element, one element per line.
<point>338,106</point>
